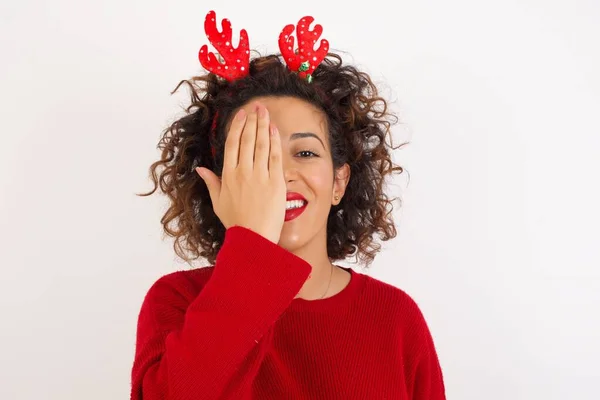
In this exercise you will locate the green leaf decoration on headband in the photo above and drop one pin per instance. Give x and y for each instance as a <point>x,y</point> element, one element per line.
<point>304,66</point>
<point>309,78</point>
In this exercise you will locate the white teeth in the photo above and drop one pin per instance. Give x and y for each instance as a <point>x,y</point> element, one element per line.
<point>294,204</point>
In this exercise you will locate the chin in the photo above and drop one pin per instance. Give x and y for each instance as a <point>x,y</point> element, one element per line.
<point>290,241</point>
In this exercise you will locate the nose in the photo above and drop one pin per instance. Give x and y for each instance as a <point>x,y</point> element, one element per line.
<point>290,170</point>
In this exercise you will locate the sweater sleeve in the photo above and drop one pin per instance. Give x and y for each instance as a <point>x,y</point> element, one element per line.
<point>429,382</point>
<point>422,373</point>
<point>212,347</point>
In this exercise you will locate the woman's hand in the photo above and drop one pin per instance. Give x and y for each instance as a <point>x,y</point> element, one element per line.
<point>252,191</point>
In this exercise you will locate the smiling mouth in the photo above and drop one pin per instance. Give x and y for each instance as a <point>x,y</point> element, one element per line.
<point>293,204</point>
<point>295,212</point>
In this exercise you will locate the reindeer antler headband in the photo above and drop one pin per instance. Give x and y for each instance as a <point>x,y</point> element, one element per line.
<point>303,61</point>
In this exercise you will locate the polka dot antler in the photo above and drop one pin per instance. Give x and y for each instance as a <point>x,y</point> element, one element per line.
<point>306,58</point>
<point>236,59</point>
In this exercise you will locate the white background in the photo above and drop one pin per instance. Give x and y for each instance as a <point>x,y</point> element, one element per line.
<point>498,236</point>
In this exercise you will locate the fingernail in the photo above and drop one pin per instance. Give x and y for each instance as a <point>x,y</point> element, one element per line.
<point>241,114</point>
<point>262,111</point>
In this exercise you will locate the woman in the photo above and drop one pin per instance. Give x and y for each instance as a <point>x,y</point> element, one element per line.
<point>277,173</point>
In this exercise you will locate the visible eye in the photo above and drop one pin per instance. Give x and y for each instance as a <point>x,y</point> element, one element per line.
<point>310,154</point>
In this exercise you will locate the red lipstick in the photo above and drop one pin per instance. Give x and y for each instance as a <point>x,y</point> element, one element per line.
<point>295,212</point>
<point>294,196</point>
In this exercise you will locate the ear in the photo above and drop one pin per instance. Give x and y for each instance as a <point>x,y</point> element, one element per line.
<point>340,182</point>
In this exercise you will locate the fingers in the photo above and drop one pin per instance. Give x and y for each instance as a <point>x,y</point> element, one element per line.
<point>232,143</point>
<point>263,142</point>
<point>275,166</point>
<point>212,183</point>
<point>247,143</point>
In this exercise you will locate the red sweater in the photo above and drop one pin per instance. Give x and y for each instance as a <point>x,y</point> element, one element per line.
<point>235,331</point>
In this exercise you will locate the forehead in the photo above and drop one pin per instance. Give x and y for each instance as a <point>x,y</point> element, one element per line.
<point>292,115</point>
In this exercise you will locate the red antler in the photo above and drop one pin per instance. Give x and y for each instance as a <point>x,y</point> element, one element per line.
<point>307,58</point>
<point>236,59</point>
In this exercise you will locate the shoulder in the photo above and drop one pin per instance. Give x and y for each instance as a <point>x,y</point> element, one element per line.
<point>389,295</point>
<point>396,316</point>
<point>394,306</point>
<point>177,289</point>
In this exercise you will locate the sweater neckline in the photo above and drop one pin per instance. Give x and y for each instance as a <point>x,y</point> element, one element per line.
<point>337,301</point>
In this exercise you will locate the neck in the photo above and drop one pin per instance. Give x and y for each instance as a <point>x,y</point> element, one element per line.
<point>323,272</point>
<point>319,283</point>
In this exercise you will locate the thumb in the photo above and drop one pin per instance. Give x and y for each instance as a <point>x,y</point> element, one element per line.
<point>213,183</point>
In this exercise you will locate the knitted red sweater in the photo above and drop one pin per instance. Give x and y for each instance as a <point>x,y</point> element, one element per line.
<point>235,331</point>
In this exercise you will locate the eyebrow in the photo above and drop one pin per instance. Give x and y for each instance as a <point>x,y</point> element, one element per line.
<point>299,135</point>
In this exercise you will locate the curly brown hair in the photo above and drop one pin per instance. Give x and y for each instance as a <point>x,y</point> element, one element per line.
<point>358,123</point>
